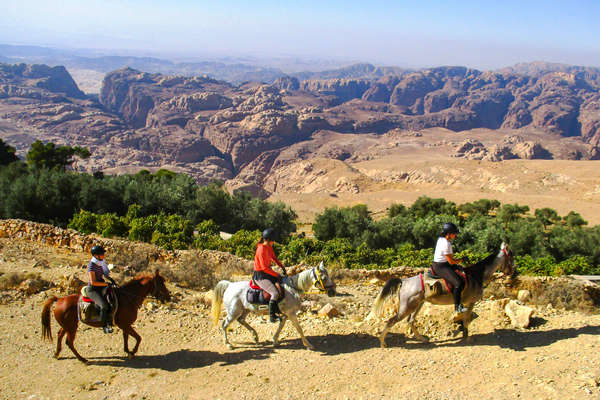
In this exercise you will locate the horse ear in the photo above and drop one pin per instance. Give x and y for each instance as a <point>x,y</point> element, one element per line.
<point>156,272</point>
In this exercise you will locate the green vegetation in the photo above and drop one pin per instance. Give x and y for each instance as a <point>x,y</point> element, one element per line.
<point>166,208</point>
<point>545,243</point>
<point>50,156</point>
<point>7,154</point>
<point>43,190</point>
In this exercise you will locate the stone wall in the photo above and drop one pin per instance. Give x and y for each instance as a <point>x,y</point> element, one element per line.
<point>117,248</point>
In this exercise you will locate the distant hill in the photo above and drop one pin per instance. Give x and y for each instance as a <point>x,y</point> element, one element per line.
<point>539,68</point>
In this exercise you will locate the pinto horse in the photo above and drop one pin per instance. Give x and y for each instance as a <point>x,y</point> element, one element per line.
<point>412,293</point>
<point>130,297</point>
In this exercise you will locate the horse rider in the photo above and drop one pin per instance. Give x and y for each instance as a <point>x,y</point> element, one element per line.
<point>97,289</point>
<point>443,259</point>
<point>264,276</point>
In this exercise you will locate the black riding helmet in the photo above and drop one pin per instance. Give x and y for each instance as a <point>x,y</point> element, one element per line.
<point>449,227</point>
<point>98,250</point>
<point>269,234</point>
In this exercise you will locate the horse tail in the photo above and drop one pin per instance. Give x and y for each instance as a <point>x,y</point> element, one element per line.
<point>46,331</point>
<point>217,300</point>
<point>389,290</point>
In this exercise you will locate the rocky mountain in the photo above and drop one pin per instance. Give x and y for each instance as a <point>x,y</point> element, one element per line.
<point>252,134</point>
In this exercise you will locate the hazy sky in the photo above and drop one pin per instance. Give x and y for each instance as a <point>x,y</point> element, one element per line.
<point>406,33</point>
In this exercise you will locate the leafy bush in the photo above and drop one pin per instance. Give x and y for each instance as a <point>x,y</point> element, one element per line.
<point>109,225</point>
<point>84,221</point>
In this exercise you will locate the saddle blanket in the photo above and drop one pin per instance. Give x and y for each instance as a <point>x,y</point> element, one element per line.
<point>89,312</point>
<point>431,279</point>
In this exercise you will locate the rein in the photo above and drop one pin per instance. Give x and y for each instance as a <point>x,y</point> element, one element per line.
<point>131,294</point>
<point>317,278</point>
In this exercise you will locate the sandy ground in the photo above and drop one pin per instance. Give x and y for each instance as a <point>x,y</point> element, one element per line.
<point>182,355</point>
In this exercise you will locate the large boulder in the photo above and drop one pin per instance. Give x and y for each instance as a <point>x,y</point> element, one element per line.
<point>520,315</point>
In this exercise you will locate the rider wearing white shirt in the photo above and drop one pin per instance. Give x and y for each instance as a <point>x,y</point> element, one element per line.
<point>443,259</point>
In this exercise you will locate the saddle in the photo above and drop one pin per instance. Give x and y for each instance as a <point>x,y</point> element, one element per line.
<point>89,312</point>
<point>436,285</point>
<point>256,295</point>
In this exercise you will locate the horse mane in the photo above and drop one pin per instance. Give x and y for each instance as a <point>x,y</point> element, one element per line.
<point>477,269</point>
<point>135,281</point>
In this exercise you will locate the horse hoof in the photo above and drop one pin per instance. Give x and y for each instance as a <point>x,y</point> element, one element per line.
<point>310,347</point>
<point>130,356</point>
<point>86,362</point>
<point>56,355</point>
<point>423,339</point>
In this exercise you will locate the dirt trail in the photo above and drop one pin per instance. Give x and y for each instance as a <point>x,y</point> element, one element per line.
<point>182,355</point>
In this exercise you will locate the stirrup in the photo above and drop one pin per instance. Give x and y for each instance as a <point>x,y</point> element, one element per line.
<point>274,318</point>
<point>460,309</point>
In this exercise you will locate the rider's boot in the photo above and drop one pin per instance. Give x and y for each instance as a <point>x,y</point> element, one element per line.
<point>105,316</point>
<point>459,309</point>
<point>273,311</point>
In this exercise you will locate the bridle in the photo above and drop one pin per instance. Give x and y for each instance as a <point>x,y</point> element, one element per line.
<point>317,279</point>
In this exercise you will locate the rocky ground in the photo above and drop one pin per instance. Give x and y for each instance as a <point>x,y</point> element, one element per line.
<point>182,355</point>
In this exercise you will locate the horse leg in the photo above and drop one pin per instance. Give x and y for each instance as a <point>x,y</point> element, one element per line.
<point>125,341</point>
<point>466,321</point>
<point>59,338</point>
<point>138,340</point>
<point>278,331</point>
<point>70,343</point>
<point>226,322</point>
<point>295,322</point>
<point>413,328</point>
<point>246,325</point>
<point>403,311</point>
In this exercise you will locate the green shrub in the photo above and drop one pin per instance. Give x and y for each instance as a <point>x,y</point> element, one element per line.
<point>142,228</point>
<point>527,265</point>
<point>109,225</point>
<point>84,221</point>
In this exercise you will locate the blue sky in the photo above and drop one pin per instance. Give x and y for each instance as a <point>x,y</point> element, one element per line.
<point>407,33</point>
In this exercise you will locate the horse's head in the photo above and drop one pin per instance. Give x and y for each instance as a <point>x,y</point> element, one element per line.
<point>322,281</point>
<point>507,266</point>
<point>159,290</point>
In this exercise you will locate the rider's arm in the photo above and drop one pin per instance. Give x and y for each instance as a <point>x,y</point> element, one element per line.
<point>276,261</point>
<point>93,280</point>
<point>452,260</point>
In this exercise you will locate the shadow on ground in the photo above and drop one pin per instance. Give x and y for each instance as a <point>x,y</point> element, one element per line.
<point>184,359</point>
<point>505,338</point>
<point>336,344</point>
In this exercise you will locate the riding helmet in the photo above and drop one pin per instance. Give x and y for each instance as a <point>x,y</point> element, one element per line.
<point>269,234</point>
<point>449,227</point>
<point>98,250</point>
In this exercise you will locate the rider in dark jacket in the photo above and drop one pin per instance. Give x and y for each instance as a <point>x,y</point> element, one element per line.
<point>443,259</point>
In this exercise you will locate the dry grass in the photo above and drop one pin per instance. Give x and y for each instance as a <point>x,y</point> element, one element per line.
<point>202,271</point>
<point>13,280</point>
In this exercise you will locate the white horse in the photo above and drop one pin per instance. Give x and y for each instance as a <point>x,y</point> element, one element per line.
<point>233,294</point>
<point>414,291</point>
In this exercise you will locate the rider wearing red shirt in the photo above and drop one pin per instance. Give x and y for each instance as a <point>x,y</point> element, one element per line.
<point>264,276</point>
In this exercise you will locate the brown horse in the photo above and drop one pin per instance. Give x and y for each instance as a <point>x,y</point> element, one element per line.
<point>130,297</point>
